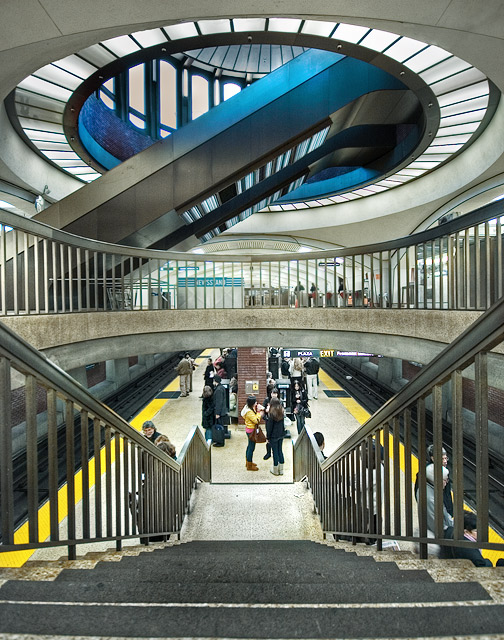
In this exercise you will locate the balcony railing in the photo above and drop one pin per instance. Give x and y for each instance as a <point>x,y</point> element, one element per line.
<point>365,489</point>
<point>457,265</point>
<point>82,461</point>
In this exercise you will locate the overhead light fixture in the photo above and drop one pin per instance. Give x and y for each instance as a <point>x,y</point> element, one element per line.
<point>304,249</point>
<point>198,250</point>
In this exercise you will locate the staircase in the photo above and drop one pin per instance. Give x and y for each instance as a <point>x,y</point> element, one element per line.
<point>249,589</point>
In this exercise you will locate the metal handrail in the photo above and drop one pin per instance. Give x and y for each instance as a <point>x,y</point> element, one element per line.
<point>138,489</point>
<point>458,265</point>
<point>347,483</point>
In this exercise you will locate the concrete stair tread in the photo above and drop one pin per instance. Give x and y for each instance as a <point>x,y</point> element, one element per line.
<point>241,593</point>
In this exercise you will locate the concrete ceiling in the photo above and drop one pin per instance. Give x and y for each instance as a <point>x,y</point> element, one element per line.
<point>36,32</point>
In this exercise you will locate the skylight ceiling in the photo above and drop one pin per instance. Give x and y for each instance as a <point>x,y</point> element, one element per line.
<point>462,92</point>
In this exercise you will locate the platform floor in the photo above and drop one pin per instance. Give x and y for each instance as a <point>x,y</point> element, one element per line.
<point>336,418</point>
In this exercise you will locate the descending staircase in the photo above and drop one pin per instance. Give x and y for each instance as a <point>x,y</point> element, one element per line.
<point>248,589</point>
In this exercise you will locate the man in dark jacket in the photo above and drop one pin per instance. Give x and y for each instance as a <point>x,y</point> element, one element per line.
<point>467,553</point>
<point>311,370</point>
<point>220,404</point>
<point>149,431</point>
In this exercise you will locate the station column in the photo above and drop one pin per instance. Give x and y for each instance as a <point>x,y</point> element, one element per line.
<point>252,370</point>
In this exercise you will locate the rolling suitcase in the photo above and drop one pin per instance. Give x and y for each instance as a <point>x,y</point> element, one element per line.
<point>218,435</point>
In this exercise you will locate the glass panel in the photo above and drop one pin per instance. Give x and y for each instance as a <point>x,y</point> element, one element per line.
<point>469,127</point>
<point>55,146</point>
<point>33,134</point>
<point>230,90</point>
<point>318,28</point>
<point>427,58</point>
<point>467,93</point>
<point>460,118</point>
<point>430,154</point>
<point>467,106</point>
<point>97,55</point>
<point>419,164</point>
<point>444,69</point>
<point>460,80</point>
<point>45,88</point>
<point>288,25</point>
<point>136,79</point>
<point>121,46</point>
<point>214,26</point>
<point>107,100</point>
<point>167,94</point>
<point>59,76</point>
<point>77,66</point>
<point>379,40</point>
<point>458,139</point>
<point>350,32</point>
<point>61,155</point>
<point>404,49</point>
<point>29,123</point>
<point>184,30</point>
<point>446,148</point>
<point>199,96</point>
<point>150,37</point>
<point>138,122</point>
<point>249,24</point>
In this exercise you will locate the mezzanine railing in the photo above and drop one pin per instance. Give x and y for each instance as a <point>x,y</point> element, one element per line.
<point>106,478</point>
<point>365,489</point>
<point>458,265</point>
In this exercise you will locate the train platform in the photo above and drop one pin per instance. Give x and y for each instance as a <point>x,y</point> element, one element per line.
<point>335,414</point>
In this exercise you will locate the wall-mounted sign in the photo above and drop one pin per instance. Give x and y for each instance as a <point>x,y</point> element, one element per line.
<point>210,282</point>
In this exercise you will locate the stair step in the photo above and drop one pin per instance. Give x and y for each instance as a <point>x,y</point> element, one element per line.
<point>375,573</point>
<point>261,591</point>
<point>153,621</point>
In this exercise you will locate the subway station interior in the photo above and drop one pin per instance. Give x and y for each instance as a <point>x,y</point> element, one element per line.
<point>243,189</point>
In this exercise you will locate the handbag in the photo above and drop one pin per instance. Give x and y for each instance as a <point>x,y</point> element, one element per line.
<point>257,435</point>
<point>305,412</point>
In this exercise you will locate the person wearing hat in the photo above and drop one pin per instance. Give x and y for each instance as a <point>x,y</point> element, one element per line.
<point>220,404</point>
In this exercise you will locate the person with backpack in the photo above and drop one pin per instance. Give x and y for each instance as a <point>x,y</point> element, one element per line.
<point>311,370</point>
<point>285,369</point>
<point>220,404</point>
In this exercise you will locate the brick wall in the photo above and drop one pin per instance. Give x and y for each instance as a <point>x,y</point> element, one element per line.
<point>409,370</point>
<point>18,404</point>
<point>97,374</point>
<point>252,365</point>
<point>495,401</point>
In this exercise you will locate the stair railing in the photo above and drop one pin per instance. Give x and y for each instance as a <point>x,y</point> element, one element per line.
<point>458,265</point>
<point>84,464</point>
<point>365,489</point>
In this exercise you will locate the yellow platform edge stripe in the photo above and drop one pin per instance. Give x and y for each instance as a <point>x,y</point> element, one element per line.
<point>12,559</point>
<point>354,408</point>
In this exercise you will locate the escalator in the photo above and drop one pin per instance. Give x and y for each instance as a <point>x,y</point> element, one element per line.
<point>321,119</point>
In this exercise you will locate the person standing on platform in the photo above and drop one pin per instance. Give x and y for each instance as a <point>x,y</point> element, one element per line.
<point>252,416</point>
<point>311,370</point>
<point>275,430</point>
<point>209,373</point>
<point>193,367</point>
<point>299,404</point>
<point>220,404</point>
<point>208,412</point>
<point>184,369</point>
<point>296,369</point>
